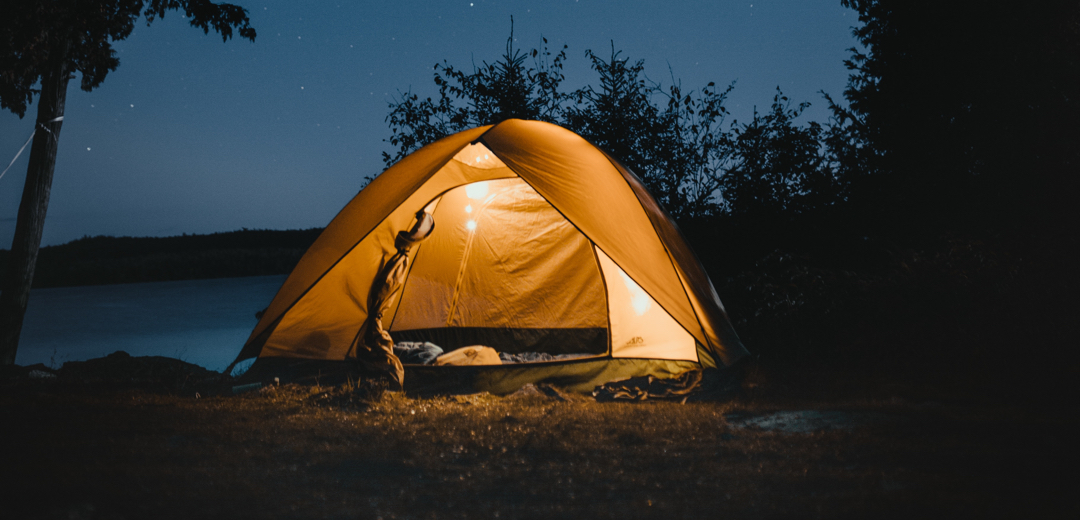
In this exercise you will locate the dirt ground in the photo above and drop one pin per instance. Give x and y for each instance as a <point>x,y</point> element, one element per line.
<point>77,452</point>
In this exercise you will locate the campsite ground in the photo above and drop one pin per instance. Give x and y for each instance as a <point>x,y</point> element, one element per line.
<point>928,382</point>
<point>788,446</point>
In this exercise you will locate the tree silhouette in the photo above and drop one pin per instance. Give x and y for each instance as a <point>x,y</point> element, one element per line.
<point>45,43</point>
<point>676,148</point>
<point>678,142</point>
<point>777,162</point>
<point>679,147</point>
<point>694,152</point>
<point>618,115</point>
<point>970,108</point>
<point>508,88</point>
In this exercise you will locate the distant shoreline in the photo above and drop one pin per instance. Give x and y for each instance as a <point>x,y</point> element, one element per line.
<point>103,260</point>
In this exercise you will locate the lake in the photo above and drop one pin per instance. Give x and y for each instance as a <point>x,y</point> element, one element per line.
<point>204,322</point>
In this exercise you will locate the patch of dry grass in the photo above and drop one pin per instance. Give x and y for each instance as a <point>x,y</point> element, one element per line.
<point>349,452</point>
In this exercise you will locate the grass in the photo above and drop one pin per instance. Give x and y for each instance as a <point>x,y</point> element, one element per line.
<point>946,374</point>
<point>317,452</point>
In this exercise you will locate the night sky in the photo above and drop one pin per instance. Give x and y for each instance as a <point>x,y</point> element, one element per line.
<point>192,135</point>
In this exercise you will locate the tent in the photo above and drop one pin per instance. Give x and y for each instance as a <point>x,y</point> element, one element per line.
<point>542,243</point>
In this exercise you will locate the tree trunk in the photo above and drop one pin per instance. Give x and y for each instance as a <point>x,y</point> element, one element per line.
<point>35,201</point>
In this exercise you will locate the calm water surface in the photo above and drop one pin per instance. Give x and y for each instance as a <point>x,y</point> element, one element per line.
<point>204,322</point>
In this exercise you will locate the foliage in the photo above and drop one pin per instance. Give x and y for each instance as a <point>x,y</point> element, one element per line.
<point>778,161</point>
<point>678,148</point>
<point>506,89</point>
<point>967,107</point>
<point>956,113</point>
<point>696,153</point>
<point>33,33</point>
<point>618,115</point>
<point>44,43</point>
<point>677,141</point>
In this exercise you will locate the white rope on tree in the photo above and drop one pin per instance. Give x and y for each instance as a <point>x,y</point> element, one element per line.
<point>27,143</point>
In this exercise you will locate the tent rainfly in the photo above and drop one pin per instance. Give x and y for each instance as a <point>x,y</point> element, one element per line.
<point>543,247</point>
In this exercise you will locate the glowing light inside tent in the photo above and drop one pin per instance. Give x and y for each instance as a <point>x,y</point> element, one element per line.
<point>470,225</point>
<point>468,208</point>
<point>477,190</point>
<point>478,156</point>
<point>639,299</point>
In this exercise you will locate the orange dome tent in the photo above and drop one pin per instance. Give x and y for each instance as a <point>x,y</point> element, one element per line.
<point>541,243</point>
